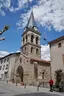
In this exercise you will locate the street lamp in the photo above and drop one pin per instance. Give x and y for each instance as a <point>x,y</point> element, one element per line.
<point>6,27</point>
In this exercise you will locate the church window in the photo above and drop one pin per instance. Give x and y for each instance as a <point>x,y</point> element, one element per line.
<point>1,61</point>
<point>36,51</point>
<point>20,60</point>
<point>32,37</point>
<point>31,49</point>
<point>4,60</point>
<point>35,71</point>
<point>25,48</point>
<point>36,40</point>
<point>7,66</point>
<point>3,67</point>
<point>23,40</point>
<point>26,38</point>
<point>7,59</point>
<point>0,67</point>
<point>59,45</point>
<point>42,75</point>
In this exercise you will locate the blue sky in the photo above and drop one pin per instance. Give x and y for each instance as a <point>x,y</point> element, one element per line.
<point>49,17</point>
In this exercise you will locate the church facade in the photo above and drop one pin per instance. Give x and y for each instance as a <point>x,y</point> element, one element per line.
<point>27,66</point>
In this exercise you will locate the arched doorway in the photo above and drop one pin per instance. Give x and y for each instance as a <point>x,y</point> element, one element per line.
<point>20,72</point>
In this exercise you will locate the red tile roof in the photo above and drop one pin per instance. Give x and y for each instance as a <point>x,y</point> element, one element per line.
<point>39,60</point>
<point>56,40</point>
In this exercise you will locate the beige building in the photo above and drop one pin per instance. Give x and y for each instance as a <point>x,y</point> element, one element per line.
<point>57,55</point>
<point>27,65</point>
<point>7,64</point>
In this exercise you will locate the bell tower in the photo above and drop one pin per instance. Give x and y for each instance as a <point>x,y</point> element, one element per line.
<point>31,39</point>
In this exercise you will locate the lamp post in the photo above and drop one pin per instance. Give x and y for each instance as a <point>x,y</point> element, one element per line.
<point>6,27</point>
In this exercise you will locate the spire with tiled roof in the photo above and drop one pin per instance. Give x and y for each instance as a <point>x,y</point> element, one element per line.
<point>31,21</point>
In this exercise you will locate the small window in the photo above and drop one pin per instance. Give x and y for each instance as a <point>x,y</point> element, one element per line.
<point>7,59</point>
<point>3,67</point>
<point>32,38</point>
<point>25,48</point>
<point>4,60</point>
<point>36,40</point>
<point>1,61</point>
<point>26,38</point>
<point>59,45</point>
<point>31,49</point>
<point>20,60</point>
<point>42,75</point>
<point>7,66</point>
<point>36,51</point>
<point>23,40</point>
<point>0,67</point>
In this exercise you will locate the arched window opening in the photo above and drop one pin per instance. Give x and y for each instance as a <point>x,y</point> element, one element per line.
<point>31,49</point>
<point>59,45</point>
<point>36,71</point>
<point>36,40</point>
<point>23,40</point>
<point>25,49</point>
<point>42,75</point>
<point>32,37</point>
<point>37,51</point>
<point>26,38</point>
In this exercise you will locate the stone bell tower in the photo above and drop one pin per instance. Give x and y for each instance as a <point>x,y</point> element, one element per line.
<point>31,39</point>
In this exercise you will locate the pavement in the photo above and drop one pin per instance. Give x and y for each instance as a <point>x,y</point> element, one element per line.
<point>11,89</point>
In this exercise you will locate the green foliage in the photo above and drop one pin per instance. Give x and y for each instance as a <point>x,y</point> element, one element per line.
<point>6,28</point>
<point>58,74</point>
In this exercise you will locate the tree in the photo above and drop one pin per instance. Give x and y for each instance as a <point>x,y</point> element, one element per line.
<point>6,27</point>
<point>58,75</point>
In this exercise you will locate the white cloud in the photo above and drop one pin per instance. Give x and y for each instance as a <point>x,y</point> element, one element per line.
<point>3,53</point>
<point>12,5</point>
<point>21,3</point>
<point>4,4</point>
<point>2,12</point>
<point>47,13</point>
<point>12,9</point>
<point>45,52</point>
<point>18,51</point>
<point>23,20</point>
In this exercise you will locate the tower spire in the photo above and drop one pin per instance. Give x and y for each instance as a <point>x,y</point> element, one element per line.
<point>31,21</point>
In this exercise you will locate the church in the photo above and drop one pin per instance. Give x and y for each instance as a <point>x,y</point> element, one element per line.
<point>27,66</point>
